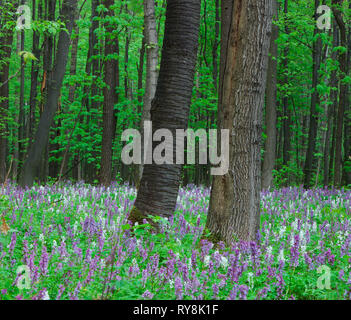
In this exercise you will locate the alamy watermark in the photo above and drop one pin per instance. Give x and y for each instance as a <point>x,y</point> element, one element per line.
<point>323,281</point>
<point>25,19</point>
<point>163,153</point>
<point>324,20</point>
<point>23,277</point>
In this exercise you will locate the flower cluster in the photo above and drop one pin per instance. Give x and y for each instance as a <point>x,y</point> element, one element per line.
<point>75,241</point>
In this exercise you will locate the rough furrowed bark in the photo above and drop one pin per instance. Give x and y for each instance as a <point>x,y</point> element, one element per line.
<point>235,198</point>
<point>158,191</point>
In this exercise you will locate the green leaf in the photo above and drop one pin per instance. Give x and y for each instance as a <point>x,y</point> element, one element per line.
<point>27,56</point>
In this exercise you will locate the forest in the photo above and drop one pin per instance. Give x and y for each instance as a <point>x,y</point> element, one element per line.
<point>175,150</point>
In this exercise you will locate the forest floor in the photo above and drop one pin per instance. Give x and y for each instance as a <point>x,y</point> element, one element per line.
<point>72,241</point>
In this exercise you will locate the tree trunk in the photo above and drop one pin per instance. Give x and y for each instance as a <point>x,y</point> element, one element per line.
<point>347,125</point>
<point>21,127</point>
<point>324,123</point>
<point>78,172</point>
<point>158,191</point>
<point>54,88</point>
<point>6,38</point>
<point>315,99</point>
<point>235,197</point>
<point>110,99</point>
<point>286,110</point>
<point>49,53</point>
<point>328,150</point>
<point>342,95</point>
<point>34,75</point>
<point>271,107</point>
<point>90,168</point>
<point>151,42</point>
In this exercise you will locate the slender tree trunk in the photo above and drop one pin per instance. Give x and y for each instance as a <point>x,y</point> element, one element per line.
<point>347,125</point>
<point>140,68</point>
<point>315,99</point>
<point>54,87</point>
<point>49,48</point>
<point>159,185</point>
<point>324,124</point>
<point>286,109</point>
<point>6,38</point>
<point>78,171</point>
<point>328,150</point>
<point>73,66</point>
<point>151,42</point>
<point>71,97</point>
<point>235,197</point>
<point>21,128</point>
<point>110,99</point>
<point>34,74</point>
<point>90,169</point>
<point>140,76</point>
<point>342,95</point>
<point>271,108</point>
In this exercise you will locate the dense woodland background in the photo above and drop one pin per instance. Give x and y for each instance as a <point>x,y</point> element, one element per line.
<point>307,128</point>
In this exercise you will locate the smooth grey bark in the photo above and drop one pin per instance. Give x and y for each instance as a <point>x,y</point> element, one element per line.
<point>151,44</point>
<point>235,197</point>
<point>41,139</point>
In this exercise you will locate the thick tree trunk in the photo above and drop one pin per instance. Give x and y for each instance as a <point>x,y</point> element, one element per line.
<point>271,108</point>
<point>159,185</point>
<point>54,88</point>
<point>235,197</point>
<point>110,99</point>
